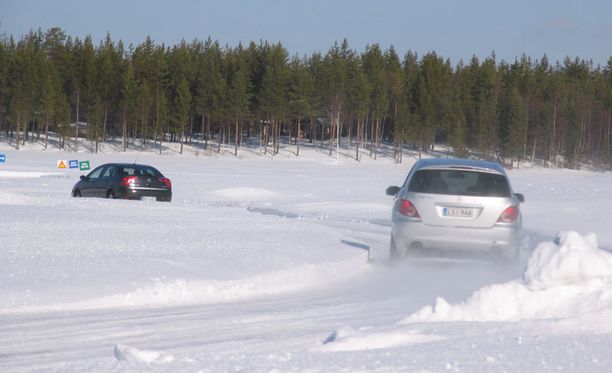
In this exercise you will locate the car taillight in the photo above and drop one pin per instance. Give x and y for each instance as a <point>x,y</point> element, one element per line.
<point>406,208</point>
<point>509,215</point>
<point>166,181</point>
<point>128,180</point>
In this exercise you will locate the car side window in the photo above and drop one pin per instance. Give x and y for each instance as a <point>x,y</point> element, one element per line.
<point>108,172</point>
<point>95,174</point>
<point>128,171</point>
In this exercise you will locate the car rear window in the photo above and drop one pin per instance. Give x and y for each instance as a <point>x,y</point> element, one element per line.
<point>140,171</point>
<point>460,182</point>
<point>149,171</point>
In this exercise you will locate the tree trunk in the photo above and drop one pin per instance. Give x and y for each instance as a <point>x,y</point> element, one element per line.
<point>46,133</point>
<point>104,125</point>
<point>17,124</point>
<point>298,137</point>
<point>190,129</point>
<point>208,118</point>
<point>372,137</point>
<point>182,139</point>
<point>76,138</point>
<point>97,136</point>
<point>221,134</point>
<point>265,137</point>
<point>125,132</point>
<point>202,127</point>
<point>360,125</point>
<point>375,137</point>
<point>236,138</point>
<point>552,151</point>
<point>161,138</point>
<point>338,136</point>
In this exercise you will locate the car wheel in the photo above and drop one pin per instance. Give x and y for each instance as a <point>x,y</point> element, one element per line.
<point>110,194</point>
<point>76,193</point>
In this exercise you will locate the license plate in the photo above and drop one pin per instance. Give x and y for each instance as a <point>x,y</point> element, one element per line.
<point>147,198</point>
<point>458,212</point>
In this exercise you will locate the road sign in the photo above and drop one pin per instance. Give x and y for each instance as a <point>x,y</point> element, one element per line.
<point>62,164</point>
<point>73,163</point>
<point>84,165</point>
<point>2,158</point>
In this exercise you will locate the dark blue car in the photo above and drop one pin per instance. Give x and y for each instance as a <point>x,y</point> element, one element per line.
<point>123,180</point>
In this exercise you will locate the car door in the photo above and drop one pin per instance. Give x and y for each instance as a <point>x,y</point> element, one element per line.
<point>89,184</point>
<point>105,181</point>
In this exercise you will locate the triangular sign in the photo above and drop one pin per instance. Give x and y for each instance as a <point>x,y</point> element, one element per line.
<point>61,164</point>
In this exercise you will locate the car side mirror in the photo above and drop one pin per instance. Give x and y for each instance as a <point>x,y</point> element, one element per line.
<point>520,197</point>
<point>83,177</point>
<point>392,190</point>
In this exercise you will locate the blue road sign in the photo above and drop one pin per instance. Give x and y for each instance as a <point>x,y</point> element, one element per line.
<point>73,163</point>
<point>2,158</point>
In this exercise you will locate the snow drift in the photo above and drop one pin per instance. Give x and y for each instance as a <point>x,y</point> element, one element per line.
<point>134,355</point>
<point>568,278</point>
<point>349,339</point>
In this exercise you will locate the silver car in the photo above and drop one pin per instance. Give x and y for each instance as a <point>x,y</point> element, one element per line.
<point>452,205</point>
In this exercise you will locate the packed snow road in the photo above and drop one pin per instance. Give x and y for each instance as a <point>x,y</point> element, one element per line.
<point>261,264</point>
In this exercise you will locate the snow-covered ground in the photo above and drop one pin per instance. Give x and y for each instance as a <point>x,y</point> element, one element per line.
<point>278,263</point>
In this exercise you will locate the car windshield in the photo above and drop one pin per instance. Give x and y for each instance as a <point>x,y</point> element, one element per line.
<point>460,182</point>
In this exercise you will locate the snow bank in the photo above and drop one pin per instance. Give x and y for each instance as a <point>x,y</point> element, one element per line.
<point>244,193</point>
<point>568,278</point>
<point>8,198</point>
<point>349,339</point>
<point>182,292</point>
<point>26,174</point>
<point>134,355</point>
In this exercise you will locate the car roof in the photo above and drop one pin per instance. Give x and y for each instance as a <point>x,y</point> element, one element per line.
<point>459,163</point>
<point>128,165</point>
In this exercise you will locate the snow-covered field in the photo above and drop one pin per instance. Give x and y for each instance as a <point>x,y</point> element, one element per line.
<point>279,264</point>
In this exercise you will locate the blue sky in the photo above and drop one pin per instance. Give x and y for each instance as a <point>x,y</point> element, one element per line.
<point>453,29</point>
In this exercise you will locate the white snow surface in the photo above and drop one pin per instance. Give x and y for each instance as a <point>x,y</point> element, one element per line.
<point>266,264</point>
<point>566,280</point>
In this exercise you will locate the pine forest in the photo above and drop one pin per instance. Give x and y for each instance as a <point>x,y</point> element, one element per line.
<point>368,103</point>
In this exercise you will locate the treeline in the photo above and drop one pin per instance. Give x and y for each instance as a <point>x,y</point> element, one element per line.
<point>214,96</point>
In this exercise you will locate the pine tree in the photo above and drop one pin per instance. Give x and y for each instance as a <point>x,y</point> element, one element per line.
<point>397,108</point>
<point>301,95</point>
<point>49,97</point>
<point>334,93</point>
<point>127,102</point>
<point>182,105</point>
<point>274,92</point>
<point>358,90</point>
<point>374,66</point>
<point>457,119</point>
<point>239,90</point>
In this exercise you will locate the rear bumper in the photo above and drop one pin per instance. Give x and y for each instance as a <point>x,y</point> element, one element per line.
<point>140,192</point>
<point>416,235</point>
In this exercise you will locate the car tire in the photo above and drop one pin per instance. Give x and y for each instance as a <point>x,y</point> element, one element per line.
<point>76,193</point>
<point>110,194</point>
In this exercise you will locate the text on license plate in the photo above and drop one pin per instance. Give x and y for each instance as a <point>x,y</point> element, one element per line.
<point>458,212</point>
<point>146,198</point>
